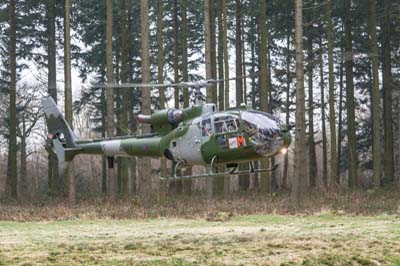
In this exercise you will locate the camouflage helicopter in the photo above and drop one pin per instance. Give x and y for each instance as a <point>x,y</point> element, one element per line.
<point>197,135</point>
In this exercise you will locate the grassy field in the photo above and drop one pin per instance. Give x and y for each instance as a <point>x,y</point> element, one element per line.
<point>324,239</point>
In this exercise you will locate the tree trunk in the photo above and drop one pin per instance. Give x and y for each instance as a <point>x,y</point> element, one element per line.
<point>218,185</point>
<point>299,182</point>
<point>287,119</point>
<point>132,119</point>
<point>187,184</point>
<point>340,118</point>
<point>176,54</point>
<point>23,186</point>
<point>224,33</point>
<point>264,85</point>
<point>125,110</point>
<point>103,135</point>
<point>160,53</point>
<point>208,55</point>
<point>110,94</point>
<point>208,48</point>
<point>176,186</point>
<point>220,56</point>
<point>312,160</point>
<point>238,50</point>
<point>387,93</point>
<point>68,97</point>
<point>213,51</point>
<point>332,114</point>
<point>117,114</point>
<point>323,117</point>
<point>376,112</point>
<point>161,91</point>
<point>244,180</point>
<point>145,177</point>
<point>52,86</point>
<point>225,48</point>
<point>13,176</point>
<point>351,129</point>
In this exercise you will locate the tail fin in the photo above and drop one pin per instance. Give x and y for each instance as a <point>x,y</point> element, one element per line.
<point>61,140</point>
<point>56,124</point>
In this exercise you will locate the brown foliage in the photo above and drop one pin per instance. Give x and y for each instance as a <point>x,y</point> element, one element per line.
<point>199,207</point>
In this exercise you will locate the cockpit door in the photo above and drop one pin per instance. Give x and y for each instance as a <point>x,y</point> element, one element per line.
<point>190,144</point>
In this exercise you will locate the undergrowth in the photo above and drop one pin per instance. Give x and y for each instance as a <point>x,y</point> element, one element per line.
<point>384,201</point>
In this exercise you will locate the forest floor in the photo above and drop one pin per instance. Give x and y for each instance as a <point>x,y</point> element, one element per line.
<point>319,239</point>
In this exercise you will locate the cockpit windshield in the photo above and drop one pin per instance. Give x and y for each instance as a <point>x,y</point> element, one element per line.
<point>226,124</point>
<point>262,130</point>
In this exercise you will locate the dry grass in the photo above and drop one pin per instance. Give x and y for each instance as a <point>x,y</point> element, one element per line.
<point>361,228</point>
<point>243,240</point>
<point>354,203</point>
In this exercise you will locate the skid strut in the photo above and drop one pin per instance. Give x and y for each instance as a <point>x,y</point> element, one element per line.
<point>216,173</point>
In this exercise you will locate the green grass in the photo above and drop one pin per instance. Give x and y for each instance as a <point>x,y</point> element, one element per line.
<point>243,240</point>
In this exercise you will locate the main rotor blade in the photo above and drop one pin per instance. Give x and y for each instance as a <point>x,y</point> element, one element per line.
<point>195,84</point>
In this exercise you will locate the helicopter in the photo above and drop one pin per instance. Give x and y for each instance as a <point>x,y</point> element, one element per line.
<point>196,135</point>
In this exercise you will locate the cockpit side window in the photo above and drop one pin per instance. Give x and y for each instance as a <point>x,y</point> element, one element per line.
<point>206,127</point>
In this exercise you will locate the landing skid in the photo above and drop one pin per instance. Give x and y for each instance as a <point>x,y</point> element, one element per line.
<point>211,173</point>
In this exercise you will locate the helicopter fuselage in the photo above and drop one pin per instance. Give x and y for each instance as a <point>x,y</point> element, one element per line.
<point>197,135</point>
<point>203,133</point>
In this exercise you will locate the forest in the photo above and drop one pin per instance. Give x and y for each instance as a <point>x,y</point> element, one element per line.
<point>328,70</point>
<point>332,73</point>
